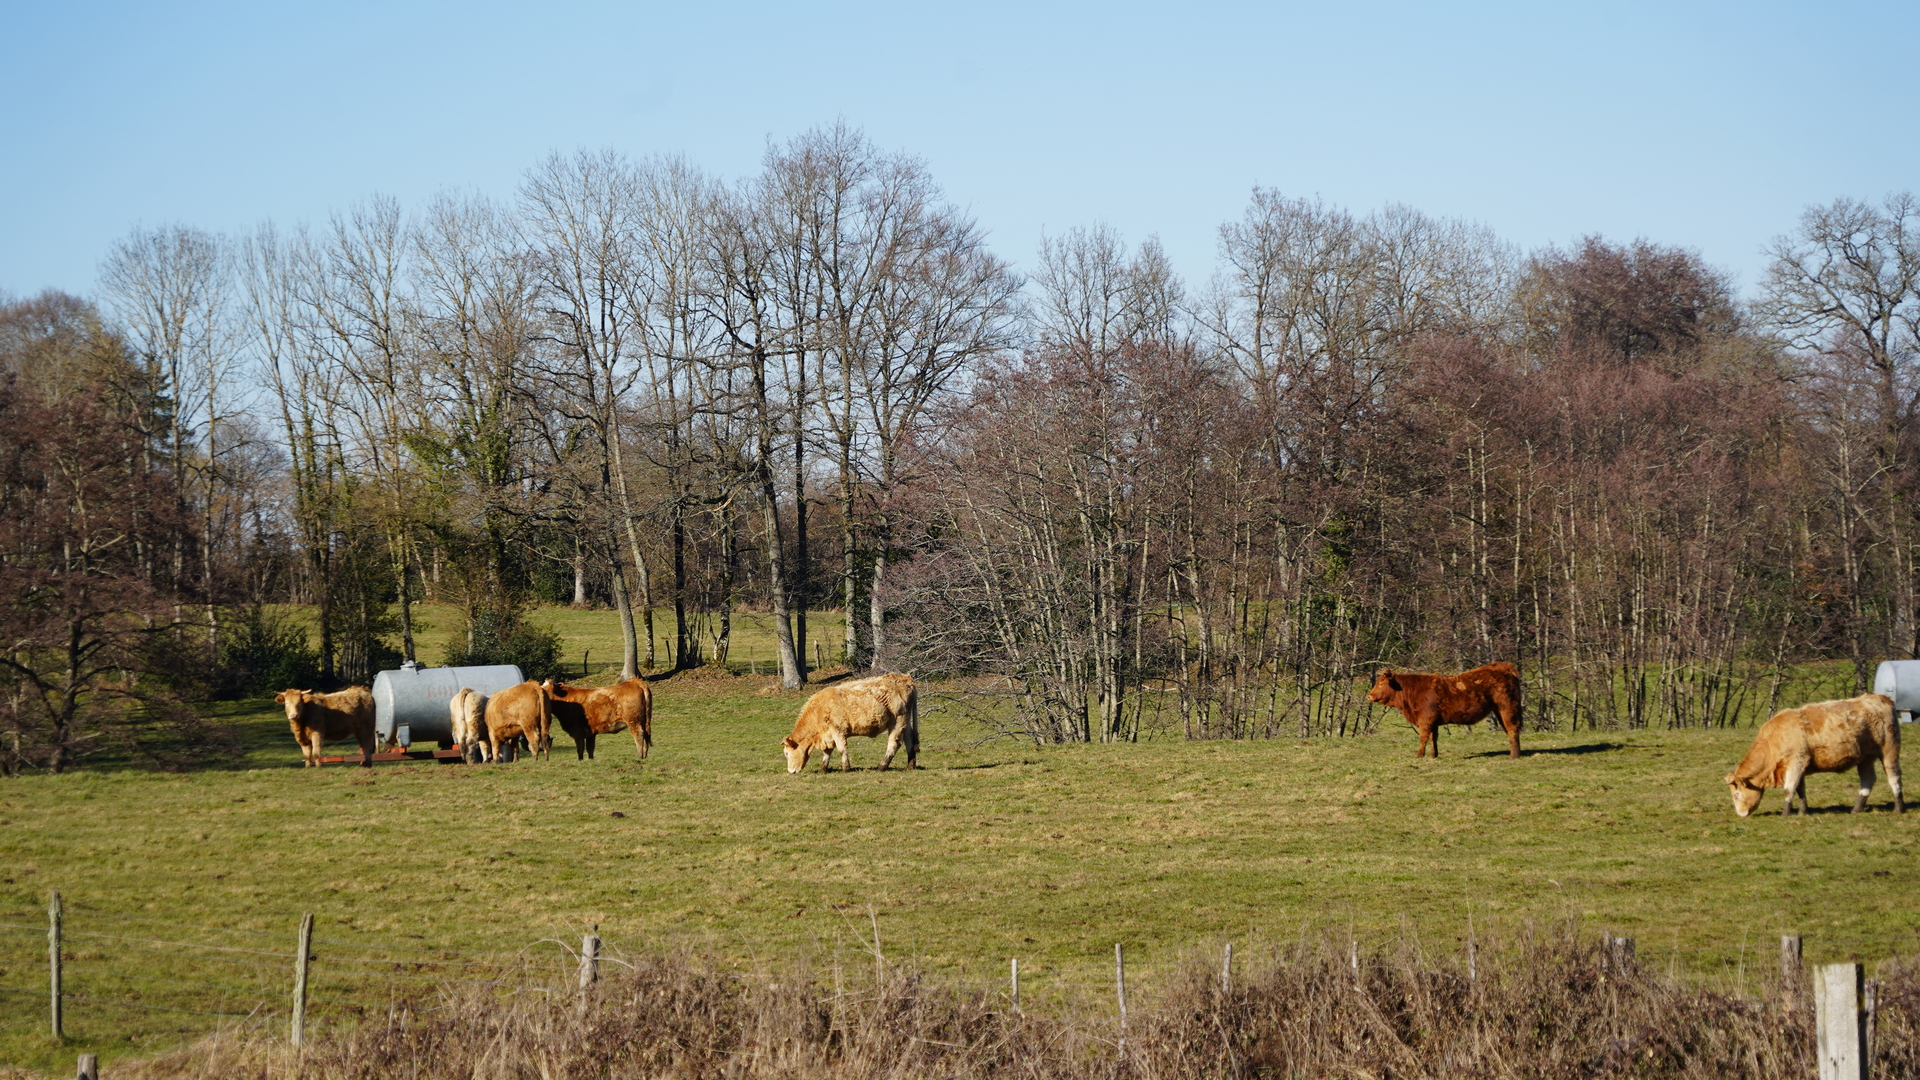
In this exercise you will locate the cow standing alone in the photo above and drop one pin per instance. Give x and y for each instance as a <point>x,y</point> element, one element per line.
<point>883,705</point>
<point>1826,736</point>
<point>1427,701</point>
<point>323,718</point>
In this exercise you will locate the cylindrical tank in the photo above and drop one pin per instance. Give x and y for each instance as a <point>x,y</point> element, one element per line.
<point>1899,680</point>
<point>410,704</point>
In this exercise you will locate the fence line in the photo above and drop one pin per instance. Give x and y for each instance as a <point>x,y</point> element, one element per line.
<point>1091,983</point>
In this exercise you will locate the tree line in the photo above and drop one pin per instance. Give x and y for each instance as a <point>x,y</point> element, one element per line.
<point>1113,501</point>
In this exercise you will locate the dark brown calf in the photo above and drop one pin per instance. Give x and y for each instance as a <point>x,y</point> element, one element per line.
<point>1427,701</point>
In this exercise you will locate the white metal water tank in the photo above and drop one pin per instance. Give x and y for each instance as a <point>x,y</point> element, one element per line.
<point>410,704</point>
<point>1899,680</point>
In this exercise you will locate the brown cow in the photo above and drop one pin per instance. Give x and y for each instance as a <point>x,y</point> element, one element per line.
<point>586,714</point>
<point>885,704</point>
<point>467,710</point>
<point>518,711</point>
<point>1826,736</point>
<point>1427,701</point>
<point>321,718</point>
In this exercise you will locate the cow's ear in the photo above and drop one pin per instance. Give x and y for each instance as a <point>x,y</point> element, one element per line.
<point>1392,683</point>
<point>789,743</point>
<point>280,698</point>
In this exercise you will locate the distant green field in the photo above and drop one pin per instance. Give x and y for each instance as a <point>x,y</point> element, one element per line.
<point>592,637</point>
<point>995,849</point>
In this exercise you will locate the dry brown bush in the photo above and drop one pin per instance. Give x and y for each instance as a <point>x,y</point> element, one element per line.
<point>1541,1007</point>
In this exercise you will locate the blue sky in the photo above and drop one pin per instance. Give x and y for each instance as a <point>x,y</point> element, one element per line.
<point>1706,125</point>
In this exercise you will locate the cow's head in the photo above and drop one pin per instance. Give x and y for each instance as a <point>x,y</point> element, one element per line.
<point>292,699</point>
<point>796,753</point>
<point>1746,794</point>
<point>1385,687</point>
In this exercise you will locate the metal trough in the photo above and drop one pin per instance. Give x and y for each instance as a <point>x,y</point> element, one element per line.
<point>1899,680</point>
<point>410,704</point>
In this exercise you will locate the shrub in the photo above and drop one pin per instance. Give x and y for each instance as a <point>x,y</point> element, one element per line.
<point>262,653</point>
<point>504,636</point>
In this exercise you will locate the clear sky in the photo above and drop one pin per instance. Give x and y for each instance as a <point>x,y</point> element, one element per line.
<point>1705,125</point>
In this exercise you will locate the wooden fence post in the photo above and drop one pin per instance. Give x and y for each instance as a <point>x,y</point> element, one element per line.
<point>1619,953</point>
<point>590,959</point>
<point>55,915</point>
<point>89,1068</point>
<point>1226,971</point>
<point>1016,986</point>
<point>1789,971</point>
<point>300,979</point>
<point>589,968</point>
<point>1839,1026</point>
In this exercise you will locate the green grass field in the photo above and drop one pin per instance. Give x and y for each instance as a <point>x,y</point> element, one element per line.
<point>592,637</point>
<point>994,849</point>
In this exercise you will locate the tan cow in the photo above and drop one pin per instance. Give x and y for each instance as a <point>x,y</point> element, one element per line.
<point>885,704</point>
<point>586,714</point>
<point>1826,736</point>
<point>516,712</point>
<point>468,709</point>
<point>323,718</point>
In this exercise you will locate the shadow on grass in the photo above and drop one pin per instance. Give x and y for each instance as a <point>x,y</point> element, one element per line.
<point>1585,748</point>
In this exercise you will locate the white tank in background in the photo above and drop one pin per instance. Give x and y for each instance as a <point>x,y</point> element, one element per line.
<point>410,704</point>
<point>1899,680</point>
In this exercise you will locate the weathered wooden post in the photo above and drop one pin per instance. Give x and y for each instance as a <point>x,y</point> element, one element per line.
<point>55,915</point>
<point>300,979</point>
<point>1016,986</point>
<point>1619,953</point>
<point>590,959</point>
<point>1840,1030</point>
<point>1120,987</point>
<point>1226,971</point>
<point>1789,971</point>
<point>89,1068</point>
<point>589,968</point>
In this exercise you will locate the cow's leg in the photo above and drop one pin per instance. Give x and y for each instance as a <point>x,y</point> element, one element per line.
<point>893,747</point>
<point>1795,785</point>
<point>1866,785</point>
<point>366,750</point>
<point>593,740</point>
<point>639,740</point>
<point>1892,761</point>
<point>1510,719</point>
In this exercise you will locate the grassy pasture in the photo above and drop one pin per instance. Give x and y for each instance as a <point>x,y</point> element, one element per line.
<point>592,637</point>
<point>994,849</point>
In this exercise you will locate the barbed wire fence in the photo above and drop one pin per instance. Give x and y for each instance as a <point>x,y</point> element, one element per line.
<point>90,973</point>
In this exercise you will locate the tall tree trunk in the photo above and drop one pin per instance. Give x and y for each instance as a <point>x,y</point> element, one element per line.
<point>629,644</point>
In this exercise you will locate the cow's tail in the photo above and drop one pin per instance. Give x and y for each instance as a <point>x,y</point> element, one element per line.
<point>912,737</point>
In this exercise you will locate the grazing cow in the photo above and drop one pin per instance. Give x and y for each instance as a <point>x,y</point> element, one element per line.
<point>587,714</point>
<point>468,710</point>
<point>518,711</point>
<point>1427,701</point>
<point>885,704</point>
<point>322,718</point>
<point>1826,736</point>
